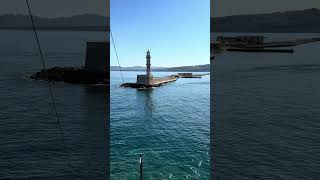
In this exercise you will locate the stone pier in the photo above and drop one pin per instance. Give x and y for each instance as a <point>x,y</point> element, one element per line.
<point>147,80</point>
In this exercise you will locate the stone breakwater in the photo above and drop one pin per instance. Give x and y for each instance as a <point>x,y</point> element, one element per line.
<point>72,75</point>
<point>156,82</point>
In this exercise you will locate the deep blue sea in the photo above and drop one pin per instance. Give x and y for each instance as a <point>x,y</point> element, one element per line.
<point>266,113</point>
<point>265,116</point>
<point>169,125</point>
<point>30,141</point>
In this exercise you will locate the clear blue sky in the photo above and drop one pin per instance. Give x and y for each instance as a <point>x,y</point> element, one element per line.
<point>177,32</point>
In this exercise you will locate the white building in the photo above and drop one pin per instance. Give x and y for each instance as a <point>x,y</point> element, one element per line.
<point>146,79</point>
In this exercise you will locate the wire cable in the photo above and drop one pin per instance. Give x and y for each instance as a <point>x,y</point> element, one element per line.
<point>46,73</point>
<point>122,77</point>
<point>130,107</point>
<point>115,50</point>
<point>54,106</point>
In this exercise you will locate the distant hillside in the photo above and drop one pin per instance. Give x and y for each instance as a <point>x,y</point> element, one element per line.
<point>197,68</point>
<point>304,21</point>
<point>88,22</point>
<point>134,68</point>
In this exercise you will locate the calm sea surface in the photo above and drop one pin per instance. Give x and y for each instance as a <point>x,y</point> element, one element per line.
<point>266,120</point>
<point>169,125</point>
<point>266,113</point>
<point>30,143</point>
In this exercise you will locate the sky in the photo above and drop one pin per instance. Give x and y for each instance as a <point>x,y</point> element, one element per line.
<point>177,32</point>
<point>221,8</point>
<point>56,8</point>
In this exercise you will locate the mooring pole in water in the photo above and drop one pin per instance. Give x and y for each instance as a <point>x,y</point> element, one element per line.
<point>141,166</point>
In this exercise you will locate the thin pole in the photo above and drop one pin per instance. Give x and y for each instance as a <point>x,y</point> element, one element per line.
<point>141,166</point>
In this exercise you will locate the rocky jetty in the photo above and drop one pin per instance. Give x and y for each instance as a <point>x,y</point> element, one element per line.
<point>95,71</point>
<point>72,75</point>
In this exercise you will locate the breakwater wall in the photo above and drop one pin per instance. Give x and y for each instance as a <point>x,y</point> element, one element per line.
<point>162,80</point>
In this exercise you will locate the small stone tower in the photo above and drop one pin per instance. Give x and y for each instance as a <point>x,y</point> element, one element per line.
<point>97,57</point>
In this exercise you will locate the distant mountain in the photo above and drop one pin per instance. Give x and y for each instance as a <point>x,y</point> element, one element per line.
<point>304,21</point>
<point>88,22</point>
<point>197,68</point>
<point>134,68</point>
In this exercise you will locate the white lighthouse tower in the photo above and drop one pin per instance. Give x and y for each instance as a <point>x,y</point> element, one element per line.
<point>149,75</point>
<point>146,79</point>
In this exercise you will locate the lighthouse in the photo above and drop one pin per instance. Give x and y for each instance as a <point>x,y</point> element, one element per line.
<point>149,75</point>
<point>146,79</point>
